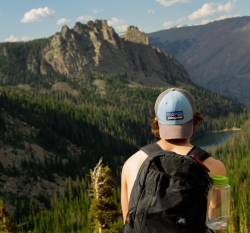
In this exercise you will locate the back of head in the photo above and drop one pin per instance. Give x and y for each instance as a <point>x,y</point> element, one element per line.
<point>175,110</point>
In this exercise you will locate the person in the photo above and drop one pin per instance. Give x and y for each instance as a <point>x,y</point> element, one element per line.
<point>175,122</point>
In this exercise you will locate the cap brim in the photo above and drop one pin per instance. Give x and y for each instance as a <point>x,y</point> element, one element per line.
<point>176,131</point>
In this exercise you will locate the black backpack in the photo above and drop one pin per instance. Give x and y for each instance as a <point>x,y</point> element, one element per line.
<point>170,193</point>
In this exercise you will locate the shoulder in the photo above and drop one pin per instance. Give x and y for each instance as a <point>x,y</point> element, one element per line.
<point>134,162</point>
<point>215,166</point>
<point>131,168</point>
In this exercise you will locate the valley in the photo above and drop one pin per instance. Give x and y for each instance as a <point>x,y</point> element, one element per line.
<point>58,118</point>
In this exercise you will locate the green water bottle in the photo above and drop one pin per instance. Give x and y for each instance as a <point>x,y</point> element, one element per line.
<point>218,209</point>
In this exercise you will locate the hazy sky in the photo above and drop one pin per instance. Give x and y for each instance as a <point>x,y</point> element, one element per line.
<point>22,20</point>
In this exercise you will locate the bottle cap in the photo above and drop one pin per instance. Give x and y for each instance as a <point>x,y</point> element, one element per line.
<point>220,180</point>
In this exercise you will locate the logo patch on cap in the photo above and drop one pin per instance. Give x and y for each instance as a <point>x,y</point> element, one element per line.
<point>173,116</point>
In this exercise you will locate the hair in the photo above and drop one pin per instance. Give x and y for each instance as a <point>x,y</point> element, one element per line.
<point>198,118</point>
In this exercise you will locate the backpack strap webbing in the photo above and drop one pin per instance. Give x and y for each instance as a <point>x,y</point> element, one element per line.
<point>197,151</point>
<point>150,148</point>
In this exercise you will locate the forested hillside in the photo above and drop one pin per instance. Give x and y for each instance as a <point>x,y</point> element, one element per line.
<point>235,154</point>
<point>64,134</point>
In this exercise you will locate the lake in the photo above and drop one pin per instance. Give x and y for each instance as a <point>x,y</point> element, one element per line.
<point>210,141</point>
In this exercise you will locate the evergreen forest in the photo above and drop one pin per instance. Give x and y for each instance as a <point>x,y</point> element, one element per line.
<point>110,122</point>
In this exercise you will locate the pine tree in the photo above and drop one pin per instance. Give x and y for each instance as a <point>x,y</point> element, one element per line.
<point>6,226</point>
<point>103,209</point>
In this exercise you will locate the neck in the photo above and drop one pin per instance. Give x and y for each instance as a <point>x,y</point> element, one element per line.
<point>181,146</point>
<point>179,142</point>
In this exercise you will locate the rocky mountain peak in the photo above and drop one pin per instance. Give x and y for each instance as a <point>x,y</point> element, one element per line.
<point>134,35</point>
<point>65,31</point>
<point>98,24</point>
<point>95,48</point>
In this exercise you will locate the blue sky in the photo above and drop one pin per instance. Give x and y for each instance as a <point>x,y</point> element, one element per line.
<point>23,20</point>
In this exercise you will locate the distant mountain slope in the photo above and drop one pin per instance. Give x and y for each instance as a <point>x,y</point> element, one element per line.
<point>216,55</point>
<point>92,48</point>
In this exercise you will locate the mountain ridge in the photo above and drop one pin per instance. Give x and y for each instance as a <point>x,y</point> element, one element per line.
<point>215,55</point>
<point>93,48</point>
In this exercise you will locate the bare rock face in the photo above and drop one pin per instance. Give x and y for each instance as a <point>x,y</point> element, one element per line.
<point>90,48</point>
<point>95,48</point>
<point>134,35</point>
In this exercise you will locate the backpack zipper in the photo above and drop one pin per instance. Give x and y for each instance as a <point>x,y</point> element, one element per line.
<point>144,218</point>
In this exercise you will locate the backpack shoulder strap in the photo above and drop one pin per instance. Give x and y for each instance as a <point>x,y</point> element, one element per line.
<point>150,148</point>
<point>199,153</point>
